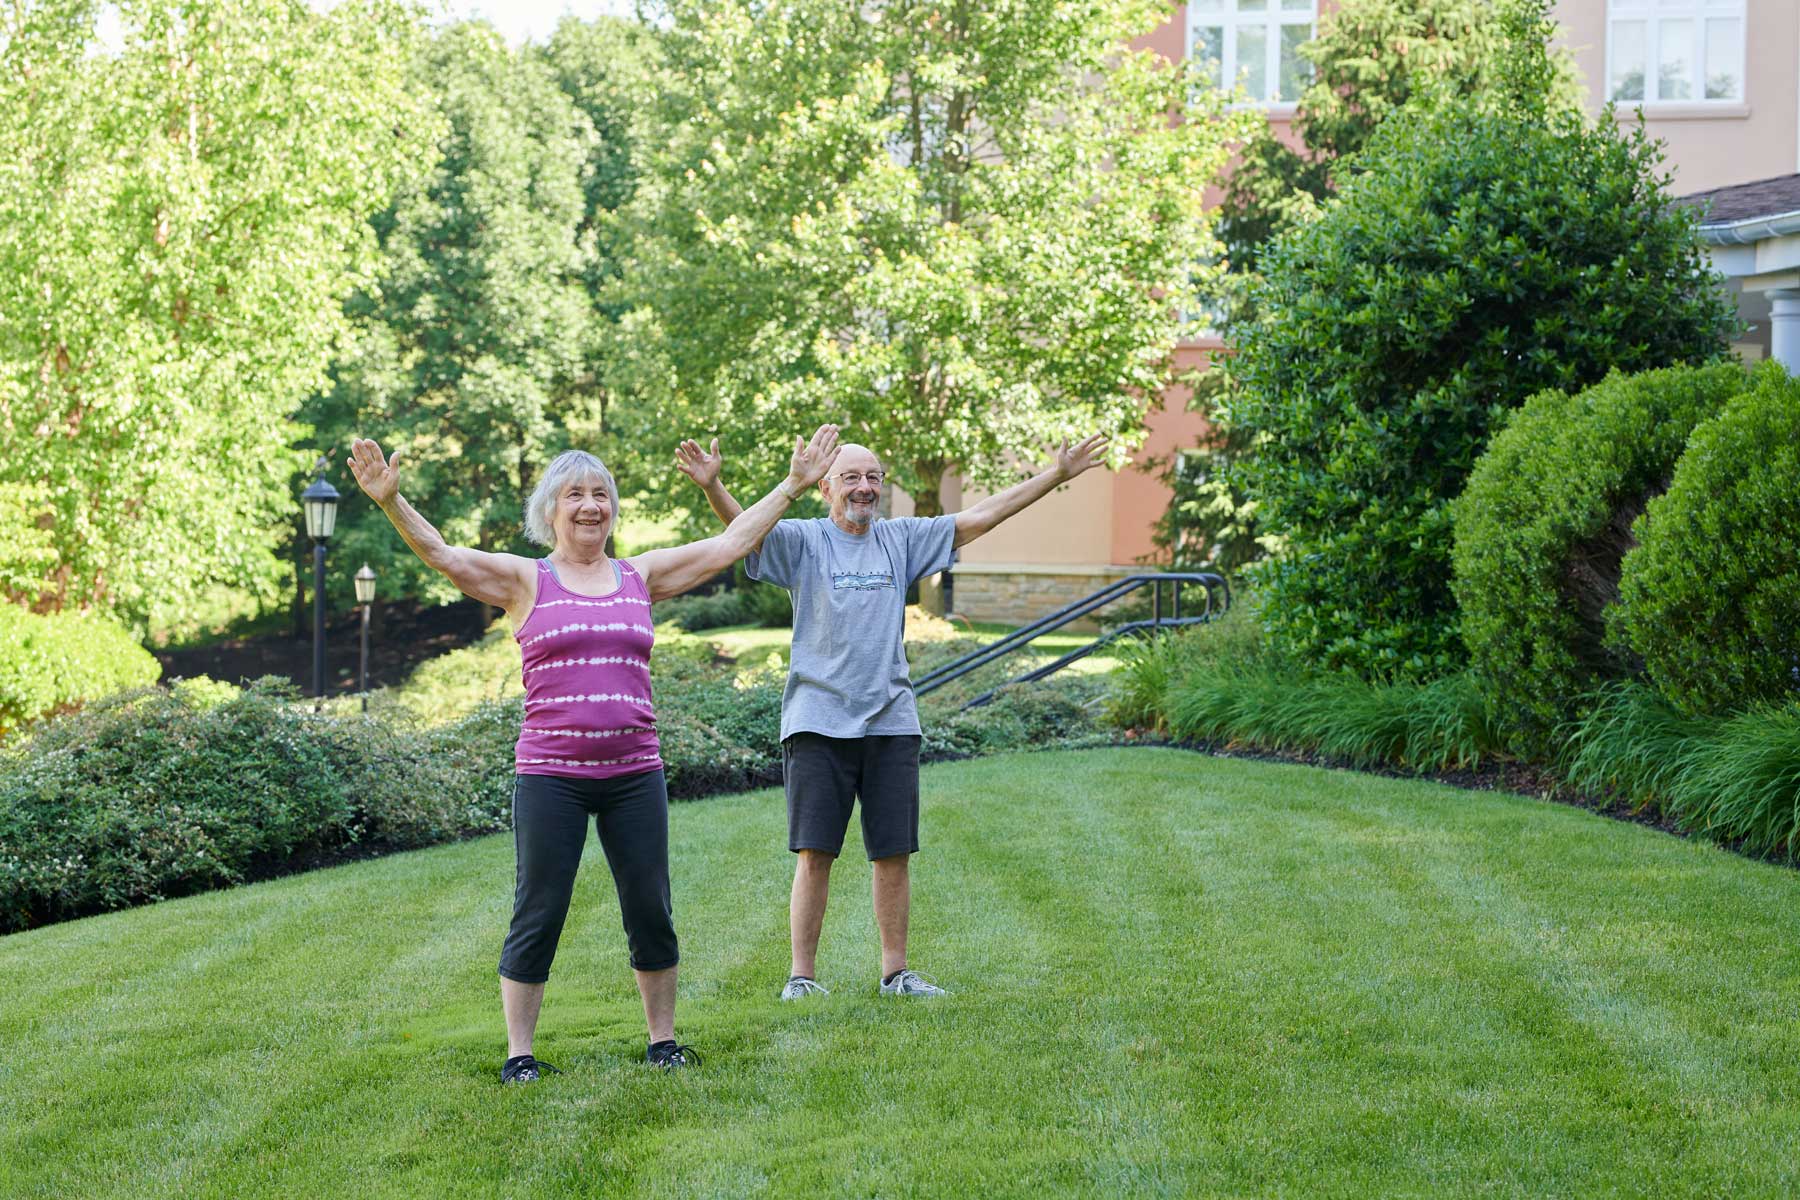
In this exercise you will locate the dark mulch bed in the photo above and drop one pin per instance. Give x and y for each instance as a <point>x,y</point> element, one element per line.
<point>401,636</point>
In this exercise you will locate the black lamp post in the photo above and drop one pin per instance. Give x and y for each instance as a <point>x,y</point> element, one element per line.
<point>320,502</point>
<point>365,597</point>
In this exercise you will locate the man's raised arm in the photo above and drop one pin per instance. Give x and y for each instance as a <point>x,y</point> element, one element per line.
<point>703,468</point>
<point>976,520</point>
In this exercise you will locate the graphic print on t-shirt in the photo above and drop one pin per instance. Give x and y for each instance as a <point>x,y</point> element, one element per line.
<point>861,581</point>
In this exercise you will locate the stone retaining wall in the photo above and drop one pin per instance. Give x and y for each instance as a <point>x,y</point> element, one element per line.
<point>1018,597</point>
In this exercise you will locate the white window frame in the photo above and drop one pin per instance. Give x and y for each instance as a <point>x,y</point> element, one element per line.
<point>1272,20</point>
<point>1653,13</point>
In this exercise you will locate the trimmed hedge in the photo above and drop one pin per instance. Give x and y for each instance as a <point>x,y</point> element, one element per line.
<point>165,792</point>
<point>1544,523</point>
<point>1711,595</point>
<point>55,662</point>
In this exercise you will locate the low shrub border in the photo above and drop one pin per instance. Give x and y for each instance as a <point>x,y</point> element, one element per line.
<point>1735,781</point>
<point>164,792</point>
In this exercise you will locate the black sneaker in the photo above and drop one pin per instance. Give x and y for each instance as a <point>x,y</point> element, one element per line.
<point>524,1069</point>
<point>672,1057</point>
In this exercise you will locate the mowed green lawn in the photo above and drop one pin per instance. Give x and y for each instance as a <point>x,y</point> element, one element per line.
<point>1172,975</point>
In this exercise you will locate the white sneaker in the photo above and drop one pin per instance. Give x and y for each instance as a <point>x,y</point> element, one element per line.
<point>799,987</point>
<point>910,983</point>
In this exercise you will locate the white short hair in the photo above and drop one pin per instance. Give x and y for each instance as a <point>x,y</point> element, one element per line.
<point>571,466</point>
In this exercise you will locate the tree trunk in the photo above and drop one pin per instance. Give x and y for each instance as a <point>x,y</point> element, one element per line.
<point>934,590</point>
<point>297,610</point>
<point>927,502</point>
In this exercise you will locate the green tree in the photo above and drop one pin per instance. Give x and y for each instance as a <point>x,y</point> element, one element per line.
<point>1478,256</point>
<point>963,230</point>
<point>478,347</point>
<point>604,66</point>
<point>182,212</point>
<point>1371,59</point>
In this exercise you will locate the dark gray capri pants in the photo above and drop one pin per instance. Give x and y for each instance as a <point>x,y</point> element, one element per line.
<point>550,815</point>
<point>824,776</point>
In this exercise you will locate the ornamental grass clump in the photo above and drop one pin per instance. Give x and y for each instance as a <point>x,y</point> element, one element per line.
<point>1735,780</point>
<point>1222,682</point>
<point>1437,726</point>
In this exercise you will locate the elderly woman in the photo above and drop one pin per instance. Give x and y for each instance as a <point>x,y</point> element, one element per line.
<point>588,747</point>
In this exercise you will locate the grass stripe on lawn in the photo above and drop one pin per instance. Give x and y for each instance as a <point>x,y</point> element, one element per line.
<point>1172,975</point>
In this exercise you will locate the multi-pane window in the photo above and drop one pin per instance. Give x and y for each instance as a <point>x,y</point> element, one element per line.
<point>1255,43</point>
<point>1675,50</point>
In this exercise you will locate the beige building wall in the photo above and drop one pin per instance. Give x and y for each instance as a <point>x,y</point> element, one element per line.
<point>1075,540</point>
<point>1710,143</point>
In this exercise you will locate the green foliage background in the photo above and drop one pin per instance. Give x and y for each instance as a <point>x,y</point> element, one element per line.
<point>1480,255</point>
<point>479,346</point>
<point>965,232</point>
<point>60,660</point>
<point>1372,59</point>
<point>181,217</point>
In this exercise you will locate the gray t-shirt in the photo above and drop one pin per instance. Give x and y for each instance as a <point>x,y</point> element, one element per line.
<point>848,675</point>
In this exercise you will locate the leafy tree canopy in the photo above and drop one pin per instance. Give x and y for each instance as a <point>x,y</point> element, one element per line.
<point>1372,59</point>
<point>479,345</point>
<point>1479,255</point>
<point>966,231</point>
<point>182,211</point>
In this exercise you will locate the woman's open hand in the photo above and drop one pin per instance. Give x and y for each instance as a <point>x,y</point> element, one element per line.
<point>378,477</point>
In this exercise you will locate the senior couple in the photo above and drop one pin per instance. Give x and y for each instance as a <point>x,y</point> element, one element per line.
<point>588,749</point>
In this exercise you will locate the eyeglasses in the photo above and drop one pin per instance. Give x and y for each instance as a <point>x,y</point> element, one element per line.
<point>852,478</point>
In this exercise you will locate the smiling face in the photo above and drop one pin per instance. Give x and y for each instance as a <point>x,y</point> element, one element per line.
<point>583,515</point>
<point>853,501</point>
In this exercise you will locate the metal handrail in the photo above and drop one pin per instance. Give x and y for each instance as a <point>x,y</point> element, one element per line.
<point>1115,591</point>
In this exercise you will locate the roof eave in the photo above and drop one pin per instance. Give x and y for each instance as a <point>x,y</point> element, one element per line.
<point>1753,229</point>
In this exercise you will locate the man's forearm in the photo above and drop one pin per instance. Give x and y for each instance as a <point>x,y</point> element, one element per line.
<point>723,506</point>
<point>974,521</point>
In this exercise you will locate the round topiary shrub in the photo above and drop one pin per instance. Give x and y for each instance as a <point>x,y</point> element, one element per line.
<point>1710,598</point>
<point>1545,521</point>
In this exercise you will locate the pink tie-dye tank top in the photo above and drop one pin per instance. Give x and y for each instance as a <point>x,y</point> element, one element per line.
<point>586,662</point>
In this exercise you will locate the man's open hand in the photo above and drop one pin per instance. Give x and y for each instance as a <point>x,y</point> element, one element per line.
<point>697,464</point>
<point>1090,452</point>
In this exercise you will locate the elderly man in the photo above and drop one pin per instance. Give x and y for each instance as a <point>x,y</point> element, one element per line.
<point>849,723</point>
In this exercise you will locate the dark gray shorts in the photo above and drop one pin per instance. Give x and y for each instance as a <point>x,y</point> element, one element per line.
<point>826,775</point>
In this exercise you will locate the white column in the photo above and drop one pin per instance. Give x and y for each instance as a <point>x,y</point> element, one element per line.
<point>1784,328</point>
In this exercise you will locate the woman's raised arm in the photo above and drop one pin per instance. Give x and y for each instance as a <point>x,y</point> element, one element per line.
<point>504,580</point>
